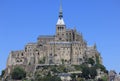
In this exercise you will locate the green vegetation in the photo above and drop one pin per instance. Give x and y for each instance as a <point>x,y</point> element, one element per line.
<point>18,73</point>
<point>91,61</point>
<point>99,66</point>
<point>2,74</point>
<point>101,79</point>
<point>88,72</point>
<point>63,61</point>
<point>80,79</point>
<point>105,78</point>
<point>62,69</point>
<point>47,78</point>
<point>50,73</point>
<point>85,73</point>
<point>93,72</point>
<point>97,59</point>
<point>78,67</point>
<point>46,74</point>
<point>82,72</point>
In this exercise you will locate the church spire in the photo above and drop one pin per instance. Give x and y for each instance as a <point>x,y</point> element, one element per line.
<point>60,19</point>
<point>60,12</point>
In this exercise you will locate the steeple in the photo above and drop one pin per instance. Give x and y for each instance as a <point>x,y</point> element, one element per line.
<point>60,19</point>
<point>60,12</point>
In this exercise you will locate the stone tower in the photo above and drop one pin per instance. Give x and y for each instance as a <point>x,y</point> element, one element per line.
<point>60,27</point>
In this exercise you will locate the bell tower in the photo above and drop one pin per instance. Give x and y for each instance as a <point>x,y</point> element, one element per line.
<point>60,27</point>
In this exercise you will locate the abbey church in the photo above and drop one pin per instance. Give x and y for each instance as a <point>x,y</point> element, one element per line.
<point>67,46</point>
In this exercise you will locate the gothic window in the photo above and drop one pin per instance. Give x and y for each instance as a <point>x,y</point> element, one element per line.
<point>38,53</point>
<point>22,54</point>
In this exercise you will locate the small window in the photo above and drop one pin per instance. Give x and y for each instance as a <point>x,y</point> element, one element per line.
<point>20,60</point>
<point>17,60</point>
<point>50,54</point>
<point>22,54</point>
<point>55,55</point>
<point>60,38</point>
<point>38,53</point>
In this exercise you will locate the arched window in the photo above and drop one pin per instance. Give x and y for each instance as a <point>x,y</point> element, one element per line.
<point>22,54</point>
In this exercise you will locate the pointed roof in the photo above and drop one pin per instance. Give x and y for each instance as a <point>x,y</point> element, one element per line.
<point>60,11</point>
<point>60,19</point>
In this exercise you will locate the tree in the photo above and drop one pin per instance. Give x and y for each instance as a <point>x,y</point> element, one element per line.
<point>91,61</point>
<point>104,78</point>
<point>100,79</point>
<point>18,73</point>
<point>47,78</point>
<point>51,78</point>
<point>88,72</point>
<point>73,76</point>
<point>85,72</point>
<point>3,72</point>
<point>93,72</point>
<point>100,66</point>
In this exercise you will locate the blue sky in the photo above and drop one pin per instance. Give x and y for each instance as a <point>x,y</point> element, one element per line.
<point>22,21</point>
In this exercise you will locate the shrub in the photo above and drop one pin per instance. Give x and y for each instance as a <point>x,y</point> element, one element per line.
<point>18,73</point>
<point>91,61</point>
<point>2,74</point>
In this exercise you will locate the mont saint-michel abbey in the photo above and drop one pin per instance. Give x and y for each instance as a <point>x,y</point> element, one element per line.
<point>67,46</point>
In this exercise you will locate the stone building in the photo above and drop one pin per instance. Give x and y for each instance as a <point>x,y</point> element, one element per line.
<point>67,46</point>
<point>113,76</point>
